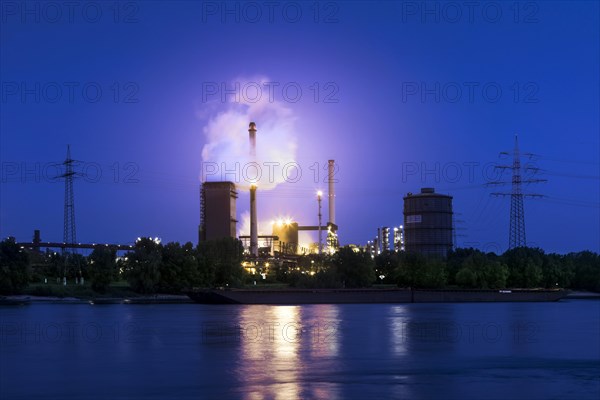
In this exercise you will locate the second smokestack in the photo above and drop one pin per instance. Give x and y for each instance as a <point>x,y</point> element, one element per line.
<point>253,217</point>
<point>253,226</point>
<point>331,199</point>
<point>252,134</point>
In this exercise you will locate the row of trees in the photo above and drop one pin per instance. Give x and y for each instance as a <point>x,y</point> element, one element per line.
<point>465,268</point>
<point>522,267</point>
<point>149,268</point>
<point>152,267</point>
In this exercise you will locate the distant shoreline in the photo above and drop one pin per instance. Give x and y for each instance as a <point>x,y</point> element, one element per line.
<point>152,299</point>
<point>167,299</point>
<point>582,294</point>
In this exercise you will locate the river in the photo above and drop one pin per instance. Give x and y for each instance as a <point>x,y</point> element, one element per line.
<point>376,351</point>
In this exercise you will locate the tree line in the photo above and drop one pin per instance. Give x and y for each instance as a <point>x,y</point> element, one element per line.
<point>521,267</point>
<point>152,267</point>
<point>149,268</point>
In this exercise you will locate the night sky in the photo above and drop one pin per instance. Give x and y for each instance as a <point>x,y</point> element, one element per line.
<point>402,95</point>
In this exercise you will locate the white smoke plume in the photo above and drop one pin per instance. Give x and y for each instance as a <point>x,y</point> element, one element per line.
<point>227,148</point>
<point>227,142</point>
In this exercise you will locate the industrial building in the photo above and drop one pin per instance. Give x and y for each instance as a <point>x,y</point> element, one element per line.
<point>384,238</point>
<point>287,237</point>
<point>399,238</point>
<point>381,243</point>
<point>217,210</point>
<point>428,223</point>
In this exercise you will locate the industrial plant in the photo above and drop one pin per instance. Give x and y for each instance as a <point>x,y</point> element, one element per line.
<point>218,218</point>
<point>427,227</point>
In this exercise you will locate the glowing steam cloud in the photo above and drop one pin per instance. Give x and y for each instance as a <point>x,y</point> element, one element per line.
<point>227,143</point>
<point>265,228</point>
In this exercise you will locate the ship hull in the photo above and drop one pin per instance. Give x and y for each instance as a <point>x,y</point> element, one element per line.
<point>366,296</point>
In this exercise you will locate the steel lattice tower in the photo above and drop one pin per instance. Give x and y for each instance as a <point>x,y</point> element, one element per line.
<point>516,233</point>
<point>69,235</point>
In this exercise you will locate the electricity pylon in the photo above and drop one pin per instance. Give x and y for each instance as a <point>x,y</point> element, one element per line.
<point>516,233</point>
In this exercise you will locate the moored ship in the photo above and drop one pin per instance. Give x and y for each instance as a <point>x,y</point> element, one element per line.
<point>365,296</point>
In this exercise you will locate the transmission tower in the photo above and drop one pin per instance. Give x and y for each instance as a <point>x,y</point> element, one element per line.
<point>516,233</point>
<point>69,233</point>
<point>455,229</point>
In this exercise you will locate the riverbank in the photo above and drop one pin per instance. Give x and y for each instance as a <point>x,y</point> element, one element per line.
<point>585,295</point>
<point>153,299</point>
<point>372,295</point>
<point>166,299</point>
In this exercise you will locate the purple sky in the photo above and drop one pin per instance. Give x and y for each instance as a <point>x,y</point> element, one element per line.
<point>400,96</point>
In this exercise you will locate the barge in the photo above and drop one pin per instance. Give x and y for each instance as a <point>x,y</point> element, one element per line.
<point>365,296</point>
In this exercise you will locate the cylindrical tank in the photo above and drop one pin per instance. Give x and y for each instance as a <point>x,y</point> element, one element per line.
<point>428,223</point>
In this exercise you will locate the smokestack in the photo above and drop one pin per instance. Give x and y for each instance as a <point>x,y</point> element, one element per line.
<point>331,200</point>
<point>253,218</point>
<point>253,226</point>
<point>252,132</point>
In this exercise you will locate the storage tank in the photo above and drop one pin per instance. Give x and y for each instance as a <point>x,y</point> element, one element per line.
<point>287,232</point>
<point>428,223</point>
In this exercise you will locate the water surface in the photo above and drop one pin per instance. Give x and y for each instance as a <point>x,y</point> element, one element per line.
<point>404,351</point>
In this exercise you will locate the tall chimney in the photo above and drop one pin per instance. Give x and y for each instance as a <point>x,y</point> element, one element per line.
<point>253,226</point>
<point>331,200</point>
<point>253,219</point>
<point>252,132</point>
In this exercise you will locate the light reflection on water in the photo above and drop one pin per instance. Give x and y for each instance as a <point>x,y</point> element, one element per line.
<point>278,346</point>
<point>398,322</point>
